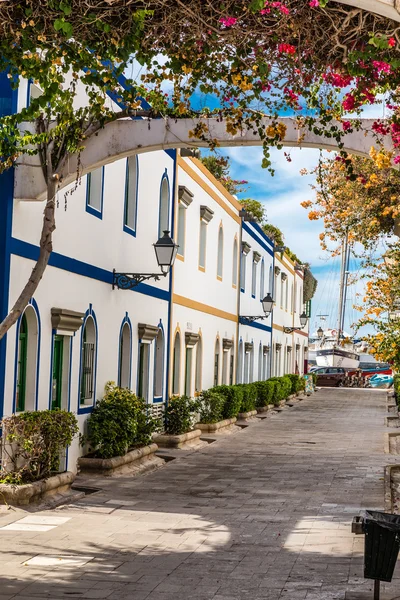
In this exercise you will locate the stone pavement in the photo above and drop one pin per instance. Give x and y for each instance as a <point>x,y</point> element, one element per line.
<point>260,515</point>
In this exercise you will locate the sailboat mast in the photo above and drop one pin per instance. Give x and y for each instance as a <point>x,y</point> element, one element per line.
<point>341,289</point>
<point>346,277</point>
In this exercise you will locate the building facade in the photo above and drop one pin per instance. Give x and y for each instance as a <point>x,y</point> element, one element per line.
<point>289,350</point>
<point>176,335</point>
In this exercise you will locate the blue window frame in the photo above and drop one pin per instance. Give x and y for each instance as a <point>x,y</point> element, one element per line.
<point>95,193</point>
<point>163,220</point>
<point>131,195</point>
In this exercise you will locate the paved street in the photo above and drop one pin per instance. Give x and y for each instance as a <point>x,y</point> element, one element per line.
<point>263,514</point>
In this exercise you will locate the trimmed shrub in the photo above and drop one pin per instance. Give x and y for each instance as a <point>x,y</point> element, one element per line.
<point>314,378</point>
<point>396,386</point>
<point>212,406</point>
<point>34,443</point>
<point>265,392</point>
<point>249,397</point>
<point>283,388</point>
<point>233,395</point>
<point>118,422</point>
<point>180,415</point>
<point>296,382</point>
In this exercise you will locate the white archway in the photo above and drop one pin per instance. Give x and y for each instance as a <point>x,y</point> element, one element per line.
<point>120,139</point>
<point>386,8</point>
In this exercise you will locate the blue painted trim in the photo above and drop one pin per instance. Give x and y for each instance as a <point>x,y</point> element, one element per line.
<point>164,176</point>
<point>32,302</point>
<point>53,333</point>
<point>78,267</point>
<point>126,227</point>
<point>8,106</point>
<point>84,408</point>
<point>90,209</point>
<point>248,229</point>
<point>262,280</point>
<point>125,320</point>
<point>256,325</point>
<point>169,324</point>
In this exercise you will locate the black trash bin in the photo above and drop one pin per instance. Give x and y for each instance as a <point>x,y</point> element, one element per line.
<point>382,543</point>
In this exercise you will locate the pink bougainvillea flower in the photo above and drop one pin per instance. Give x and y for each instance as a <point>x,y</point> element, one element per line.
<point>380,128</point>
<point>381,67</point>
<point>349,102</point>
<point>391,42</point>
<point>287,49</point>
<point>346,125</point>
<point>314,3</point>
<point>228,21</point>
<point>338,80</point>
<point>396,160</point>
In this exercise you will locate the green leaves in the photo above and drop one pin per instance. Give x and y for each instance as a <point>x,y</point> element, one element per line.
<point>64,26</point>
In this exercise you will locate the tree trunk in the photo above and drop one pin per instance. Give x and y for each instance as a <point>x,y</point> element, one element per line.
<point>46,247</point>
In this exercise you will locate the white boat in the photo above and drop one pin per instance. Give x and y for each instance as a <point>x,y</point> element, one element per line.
<point>334,347</point>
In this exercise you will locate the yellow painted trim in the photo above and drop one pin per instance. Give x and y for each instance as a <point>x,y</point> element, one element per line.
<point>219,277</point>
<point>278,259</point>
<point>217,183</point>
<point>234,286</point>
<point>202,269</point>
<point>180,257</point>
<point>207,189</point>
<point>210,310</point>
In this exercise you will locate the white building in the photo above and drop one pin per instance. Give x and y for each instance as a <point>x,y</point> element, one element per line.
<point>205,282</point>
<point>256,281</point>
<point>289,349</point>
<point>176,335</point>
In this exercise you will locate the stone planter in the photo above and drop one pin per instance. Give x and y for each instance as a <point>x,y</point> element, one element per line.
<point>392,421</point>
<point>184,440</point>
<point>247,416</point>
<point>134,462</point>
<point>264,409</point>
<point>226,426</point>
<point>21,495</point>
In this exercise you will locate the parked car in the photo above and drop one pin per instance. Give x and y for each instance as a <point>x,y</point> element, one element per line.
<point>330,376</point>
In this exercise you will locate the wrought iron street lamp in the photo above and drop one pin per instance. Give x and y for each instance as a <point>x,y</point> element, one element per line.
<point>303,323</point>
<point>320,333</point>
<point>165,250</point>
<point>267,305</point>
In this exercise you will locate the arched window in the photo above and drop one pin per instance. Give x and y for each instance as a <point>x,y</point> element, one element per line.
<point>286,294</point>
<point>291,298</point>
<point>159,365</point>
<point>235,262</point>
<point>199,364</point>
<point>28,337</point>
<point>94,192</point>
<point>125,356</point>
<point>131,194</point>
<point>251,373</point>
<point>260,363</point>
<point>216,362</point>
<point>176,368</point>
<point>164,206</point>
<point>282,292</point>
<point>239,374</point>
<point>87,383</point>
<point>220,258</point>
<point>262,280</point>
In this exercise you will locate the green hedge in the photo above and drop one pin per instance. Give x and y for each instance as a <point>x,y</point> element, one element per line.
<point>229,400</point>
<point>396,387</point>
<point>249,397</point>
<point>265,392</point>
<point>233,395</point>
<point>298,383</point>
<point>180,415</point>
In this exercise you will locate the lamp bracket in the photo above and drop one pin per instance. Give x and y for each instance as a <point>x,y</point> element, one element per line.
<point>127,281</point>
<point>292,329</point>
<point>250,319</point>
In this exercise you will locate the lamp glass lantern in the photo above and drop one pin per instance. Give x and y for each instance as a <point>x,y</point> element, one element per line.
<point>303,320</point>
<point>267,304</point>
<point>166,251</point>
<point>320,332</point>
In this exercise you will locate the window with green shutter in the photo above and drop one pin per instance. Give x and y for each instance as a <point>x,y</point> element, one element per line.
<point>21,369</point>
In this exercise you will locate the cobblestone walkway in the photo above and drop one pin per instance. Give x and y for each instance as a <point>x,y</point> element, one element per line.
<point>263,514</point>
